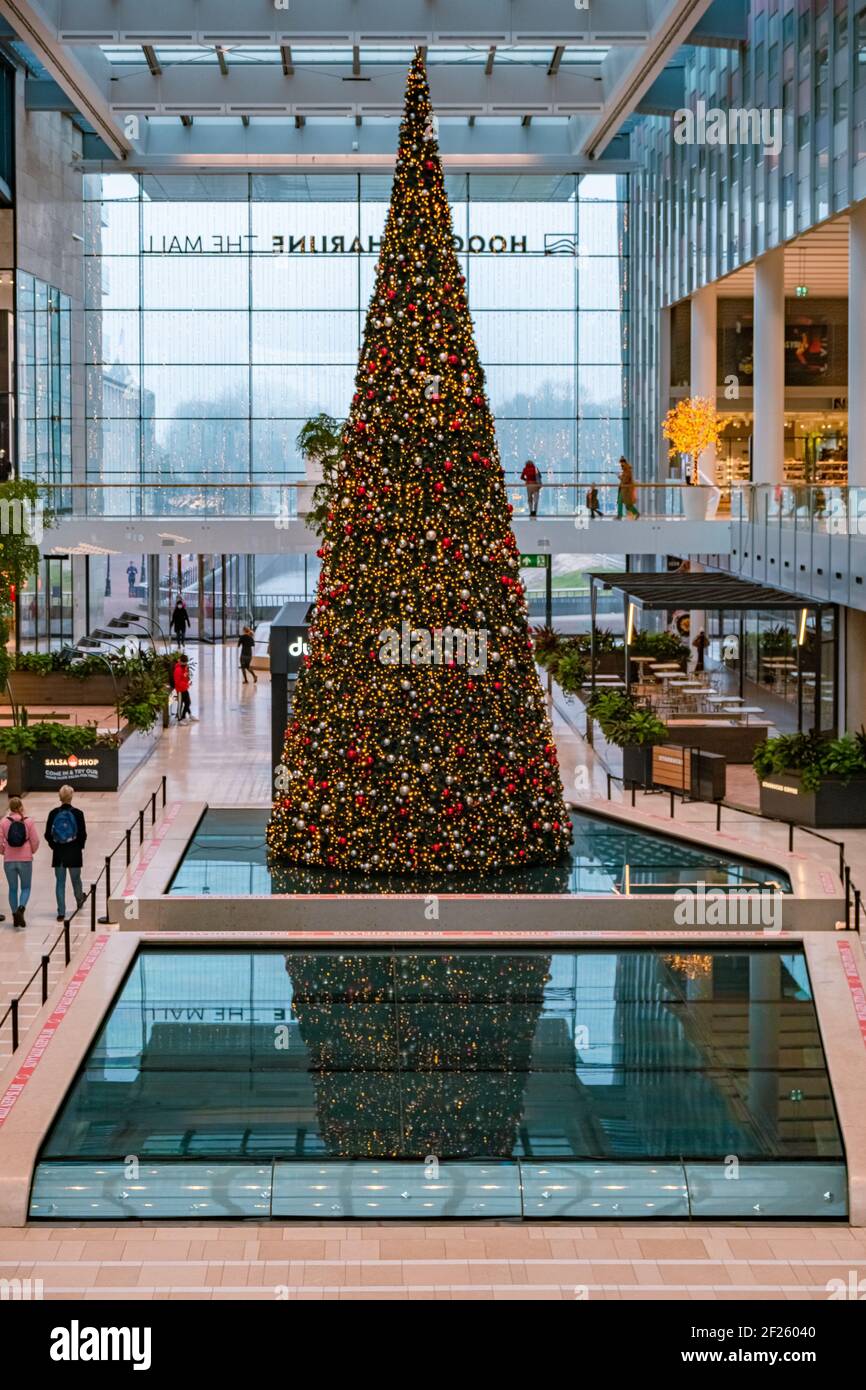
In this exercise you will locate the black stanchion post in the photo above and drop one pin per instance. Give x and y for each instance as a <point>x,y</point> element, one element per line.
<point>128,847</point>
<point>718,817</point>
<point>163,788</point>
<point>107,918</point>
<point>672,805</point>
<point>14,1010</point>
<point>153,808</point>
<point>856,909</point>
<point>841,859</point>
<point>46,961</point>
<point>67,945</point>
<point>847,896</point>
<point>141,828</point>
<point>93,907</point>
<point>608,786</point>
<point>791,838</point>
<point>633,792</point>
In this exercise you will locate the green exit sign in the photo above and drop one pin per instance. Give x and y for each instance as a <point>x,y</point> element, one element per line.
<point>534,562</point>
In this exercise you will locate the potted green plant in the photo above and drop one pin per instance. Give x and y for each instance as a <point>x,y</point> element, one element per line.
<point>813,781</point>
<point>662,646</point>
<point>320,444</point>
<point>634,730</point>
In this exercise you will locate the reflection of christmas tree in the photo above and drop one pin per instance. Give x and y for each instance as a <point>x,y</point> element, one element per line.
<point>440,765</point>
<point>418,1054</point>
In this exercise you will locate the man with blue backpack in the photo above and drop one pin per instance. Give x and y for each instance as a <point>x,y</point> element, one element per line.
<point>66,832</point>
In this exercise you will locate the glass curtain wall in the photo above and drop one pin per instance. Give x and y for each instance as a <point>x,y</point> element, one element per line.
<point>44,385</point>
<point>223,311</point>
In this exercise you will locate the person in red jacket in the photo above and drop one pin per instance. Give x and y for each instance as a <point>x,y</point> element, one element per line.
<point>531,476</point>
<point>181,685</point>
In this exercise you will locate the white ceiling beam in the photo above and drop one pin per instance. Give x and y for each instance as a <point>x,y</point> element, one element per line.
<point>628,73</point>
<point>281,147</point>
<point>456,90</point>
<point>84,78</point>
<point>485,22</point>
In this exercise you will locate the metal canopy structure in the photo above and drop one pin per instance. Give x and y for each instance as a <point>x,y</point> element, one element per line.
<point>533,85</point>
<point>698,590</point>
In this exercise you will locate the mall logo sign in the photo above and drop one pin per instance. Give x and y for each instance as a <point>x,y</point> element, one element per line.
<point>750,125</point>
<point>21,517</point>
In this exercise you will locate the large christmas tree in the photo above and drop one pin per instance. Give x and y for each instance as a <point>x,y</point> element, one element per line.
<point>419,738</point>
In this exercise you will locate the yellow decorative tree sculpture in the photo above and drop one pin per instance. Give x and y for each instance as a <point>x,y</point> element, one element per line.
<point>692,425</point>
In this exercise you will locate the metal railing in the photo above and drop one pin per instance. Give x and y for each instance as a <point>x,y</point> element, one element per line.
<point>853,897</point>
<point>88,903</point>
<point>279,501</point>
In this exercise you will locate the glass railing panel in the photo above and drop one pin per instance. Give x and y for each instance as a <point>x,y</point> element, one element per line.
<point>746,1191</point>
<point>95,1191</point>
<point>396,1191</point>
<point>590,1191</point>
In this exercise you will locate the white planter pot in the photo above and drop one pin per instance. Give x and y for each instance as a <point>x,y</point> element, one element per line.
<point>696,500</point>
<point>313,476</point>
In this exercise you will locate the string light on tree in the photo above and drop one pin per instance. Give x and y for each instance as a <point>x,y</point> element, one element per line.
<point>395,768</point>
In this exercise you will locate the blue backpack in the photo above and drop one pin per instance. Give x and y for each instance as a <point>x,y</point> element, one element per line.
<point>64,831</point>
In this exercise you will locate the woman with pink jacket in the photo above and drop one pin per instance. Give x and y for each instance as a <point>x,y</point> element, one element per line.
<point>19,841</point>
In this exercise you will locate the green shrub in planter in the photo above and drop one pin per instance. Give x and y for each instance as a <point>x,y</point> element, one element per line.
<point>664,646</point>
<point>570,671</point>
<point>62,739</point>
<point>623,723</point>
<point>545,644</point>
<point>812,758</point>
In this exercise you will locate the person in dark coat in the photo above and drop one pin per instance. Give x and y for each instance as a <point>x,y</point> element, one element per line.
<point>66,832</point>
<point>180,621</point>
<point>247,644</point>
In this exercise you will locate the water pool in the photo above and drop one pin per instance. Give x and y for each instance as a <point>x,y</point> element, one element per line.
<point>405,1083</point>
<point>227,856</point>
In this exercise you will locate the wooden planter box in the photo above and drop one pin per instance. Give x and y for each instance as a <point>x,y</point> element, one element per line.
<point>833,804</point>
<point>31,688</point>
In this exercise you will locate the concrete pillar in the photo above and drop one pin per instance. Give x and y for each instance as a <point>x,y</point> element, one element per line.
<point>703,374</point>
<point>768,441</point>
<point>857,345</point>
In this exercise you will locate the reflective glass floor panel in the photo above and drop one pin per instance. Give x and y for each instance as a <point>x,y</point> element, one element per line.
<point>583,1083</point>
<point>227,856</point>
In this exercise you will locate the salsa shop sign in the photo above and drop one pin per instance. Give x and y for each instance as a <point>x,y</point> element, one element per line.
<point>96,770</point>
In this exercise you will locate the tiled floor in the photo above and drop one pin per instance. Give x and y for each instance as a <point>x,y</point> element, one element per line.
<point>451,1262</point>
<point>225,758</point>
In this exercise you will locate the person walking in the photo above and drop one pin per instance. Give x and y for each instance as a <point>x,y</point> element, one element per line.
<point>180,621</point>
<point>247,643</point>
<point>19,841</point>
<point>181,684</point>
<point>627,492</point>
<point>132,575</point>
<point>700,645</point>
<point>531,476</point>
<point>66,832</point>
<point>592,503</point>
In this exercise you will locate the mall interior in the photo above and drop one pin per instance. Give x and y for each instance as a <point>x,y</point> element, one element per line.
<point>532,333</point>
